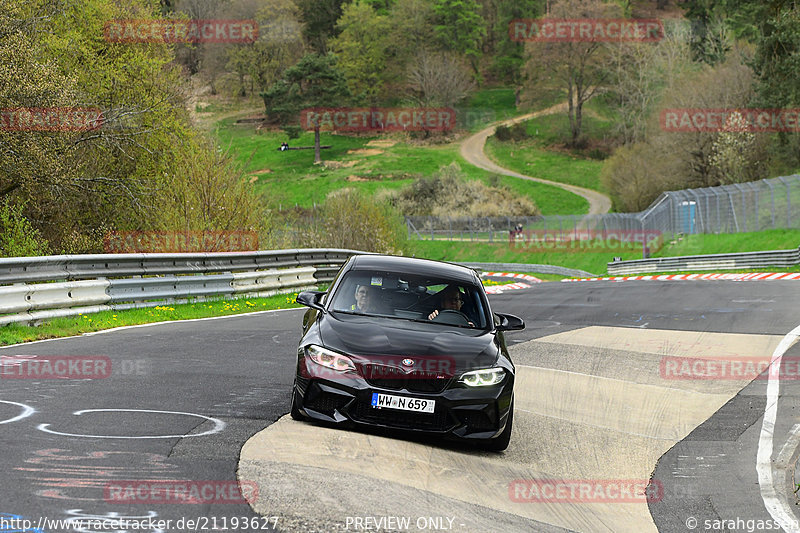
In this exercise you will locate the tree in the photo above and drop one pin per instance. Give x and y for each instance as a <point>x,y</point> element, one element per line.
<point>716,24</point>
<point>460,27</point>
<point>315,81</point>
<point>319,21</point>
<point>777,65</point>
<point>669,160</point>
<point>110,174</point>
<point>412,24</point>
<point>507,56</point>
<point>735,152</point>
<point>777,60</point>
<point>439,79</point>
<point>640,72</point>
<point>279,44</point>
<point>579,67</point>
<point>191,54</point>
<point>362,47</point>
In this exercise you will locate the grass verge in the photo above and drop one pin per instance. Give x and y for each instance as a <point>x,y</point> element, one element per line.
<point>596,262</point>
<point>77,325</point>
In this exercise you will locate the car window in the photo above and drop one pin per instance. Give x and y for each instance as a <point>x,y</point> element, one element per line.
<point>410,297</point>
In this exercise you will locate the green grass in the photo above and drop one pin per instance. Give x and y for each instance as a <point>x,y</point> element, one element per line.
<point>596,262</point>
<point>479,252</point>
<point>533,158</point>
<point>499,103</point>
<point>69,326</point>
<point>774,239</point>
<point>293,179</point>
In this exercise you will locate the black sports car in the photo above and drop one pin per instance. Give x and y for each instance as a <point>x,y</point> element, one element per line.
<point>407,344</point>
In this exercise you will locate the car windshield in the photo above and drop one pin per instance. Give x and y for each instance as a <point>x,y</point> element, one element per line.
<point>411,297</point>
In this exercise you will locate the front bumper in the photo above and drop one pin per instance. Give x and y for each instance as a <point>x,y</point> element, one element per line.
<point>461,412</point>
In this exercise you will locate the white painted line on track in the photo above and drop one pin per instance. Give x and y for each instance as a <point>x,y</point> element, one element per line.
<point>776,507</point>
<point>219,425</point>
<point>27,411</point>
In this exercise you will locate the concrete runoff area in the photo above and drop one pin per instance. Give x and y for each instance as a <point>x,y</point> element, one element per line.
<point>582,414</point>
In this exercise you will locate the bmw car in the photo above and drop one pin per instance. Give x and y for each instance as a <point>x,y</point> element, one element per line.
<point>406,344</point>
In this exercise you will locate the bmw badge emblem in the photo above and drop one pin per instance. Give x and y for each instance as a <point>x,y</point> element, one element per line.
<point>408,362</point>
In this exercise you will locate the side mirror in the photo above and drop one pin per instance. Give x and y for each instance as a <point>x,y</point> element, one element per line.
<point>311,299</point>
<point>509,322</point>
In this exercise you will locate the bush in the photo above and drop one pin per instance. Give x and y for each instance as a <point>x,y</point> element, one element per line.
<point>502,133</point>
<point>350,219</point>
<point>516,132</point>
<point>18,238</point>
<point>347,219</point>
<point>519,131</point>
<point>448,194</point>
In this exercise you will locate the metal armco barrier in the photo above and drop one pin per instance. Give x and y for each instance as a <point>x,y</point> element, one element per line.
<point>75,267</point>
<point>265,282</point>
<point>744,260</point>
<point>90,283</point>
<point>522,267</point>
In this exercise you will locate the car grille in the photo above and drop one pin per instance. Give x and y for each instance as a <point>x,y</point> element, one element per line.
<point>438,421</point>
<point>394,378</point>
<point>325,402</point>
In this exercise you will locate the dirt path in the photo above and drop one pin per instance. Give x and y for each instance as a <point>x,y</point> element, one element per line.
<point>472,151</point>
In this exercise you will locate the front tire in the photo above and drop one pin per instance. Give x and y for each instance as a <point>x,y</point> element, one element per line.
<point>295,411</point>
<point>500,443</point>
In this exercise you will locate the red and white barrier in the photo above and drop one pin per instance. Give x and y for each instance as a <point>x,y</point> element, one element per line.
<point>750,276</point>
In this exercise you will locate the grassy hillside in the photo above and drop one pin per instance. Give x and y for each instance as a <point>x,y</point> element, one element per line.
<point>368,163</point>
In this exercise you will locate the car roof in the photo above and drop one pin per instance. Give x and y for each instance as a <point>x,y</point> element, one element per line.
<point>423,267</point>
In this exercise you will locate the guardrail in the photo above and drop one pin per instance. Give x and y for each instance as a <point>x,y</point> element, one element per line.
<point>521,267</point>
<point>33,289</point>
<point>734,261</point>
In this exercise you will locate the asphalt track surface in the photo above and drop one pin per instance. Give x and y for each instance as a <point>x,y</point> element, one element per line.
<point>594,405</point>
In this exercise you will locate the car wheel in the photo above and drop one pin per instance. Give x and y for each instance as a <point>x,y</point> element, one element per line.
<point>295,412</point>
<point>500,443</point>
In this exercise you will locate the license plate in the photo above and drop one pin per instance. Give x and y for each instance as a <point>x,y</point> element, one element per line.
<point>402,403</point>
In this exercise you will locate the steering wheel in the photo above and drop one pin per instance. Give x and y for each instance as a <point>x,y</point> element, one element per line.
<point>452,317</point>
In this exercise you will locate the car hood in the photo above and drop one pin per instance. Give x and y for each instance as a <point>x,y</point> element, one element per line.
<point>376,339</point>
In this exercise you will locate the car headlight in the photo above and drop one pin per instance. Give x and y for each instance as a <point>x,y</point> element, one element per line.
<point>330,359</point>
<point>483,378</point>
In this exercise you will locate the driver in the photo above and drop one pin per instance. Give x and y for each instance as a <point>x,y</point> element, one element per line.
<point>449,298</point>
